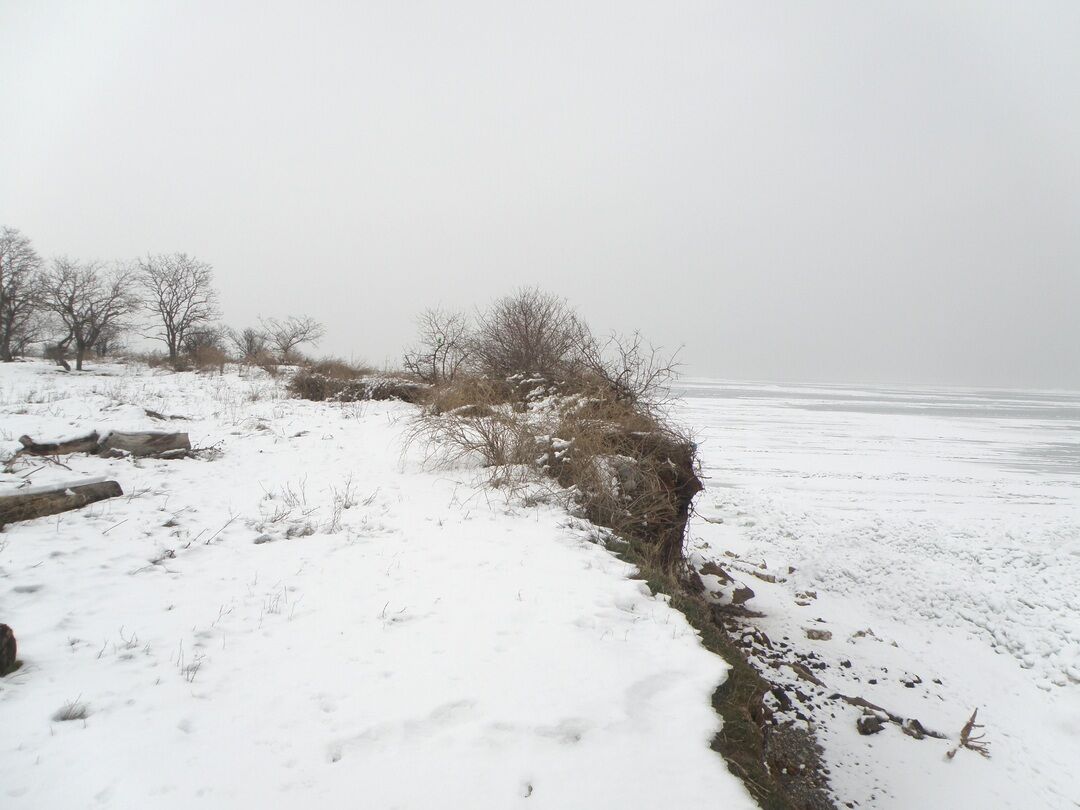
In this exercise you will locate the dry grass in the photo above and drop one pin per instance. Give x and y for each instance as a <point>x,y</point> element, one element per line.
<point>337,369</point>
<point>312,385</point>
<point>72,710</point>
<point>615,462</point>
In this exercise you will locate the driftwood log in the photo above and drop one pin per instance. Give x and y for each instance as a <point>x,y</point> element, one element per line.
<point>146,443</point>
<point>51,499</point>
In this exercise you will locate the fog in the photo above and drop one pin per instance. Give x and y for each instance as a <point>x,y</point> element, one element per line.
<point>822,192</point>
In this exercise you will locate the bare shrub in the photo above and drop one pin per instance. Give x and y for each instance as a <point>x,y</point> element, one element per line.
<point>247,344</point>
<point>287,334</point>
<point>633,370</point>
<point>443,346</point>
<point>267,361</point>
<point>305,384</point>
<point>530,333</point>
<point>204,348</point>
<point>495,440</point>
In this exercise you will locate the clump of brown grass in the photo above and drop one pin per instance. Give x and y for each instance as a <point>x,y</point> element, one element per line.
<point>208,358</point>
<point>337,369</point>
<point>470,395</point>
<point>309,384</point>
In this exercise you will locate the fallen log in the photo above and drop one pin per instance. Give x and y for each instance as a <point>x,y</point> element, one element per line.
<point>144,443</point>
<point>80,444</point>
<point>51,499</point>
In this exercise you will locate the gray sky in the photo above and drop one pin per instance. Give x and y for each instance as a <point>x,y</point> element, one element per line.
<point>852,191</point>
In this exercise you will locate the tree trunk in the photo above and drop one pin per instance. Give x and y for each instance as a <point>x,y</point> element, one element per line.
<point>35,502</point>
<point>79,352</point>
<point>146,443</point>
<point>83,444</point>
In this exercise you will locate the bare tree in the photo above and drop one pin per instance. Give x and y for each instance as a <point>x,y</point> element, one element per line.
<point>179,295</point>
<point>285,335</point>
<point>248,344</point>
<point>110,342</point>
<point>443,348</point>
<point>20,293</point>
<point>529,332</point>
<point>86,300</point>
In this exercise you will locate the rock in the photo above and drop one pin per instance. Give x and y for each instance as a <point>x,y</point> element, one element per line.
<point>8,649</point>
<point>712,569</point>
<point>913,728</point>
<point>815,634</point>
<point>869,724</point>
<point>806,674</point>
<point>741,594</point>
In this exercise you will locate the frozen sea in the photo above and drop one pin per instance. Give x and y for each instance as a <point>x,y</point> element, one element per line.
<point>947,522</point>
<point>956,506</point>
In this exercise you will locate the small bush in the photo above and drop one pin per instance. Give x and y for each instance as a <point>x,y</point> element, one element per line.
<point>208,358</point>
<point>267,362</point>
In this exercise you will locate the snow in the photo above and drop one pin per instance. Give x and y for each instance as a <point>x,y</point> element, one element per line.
<point>945,521</point>
<point>311,618</point>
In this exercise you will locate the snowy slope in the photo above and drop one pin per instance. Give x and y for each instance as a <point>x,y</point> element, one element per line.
<point>312,620</point>
<point>948,523</point>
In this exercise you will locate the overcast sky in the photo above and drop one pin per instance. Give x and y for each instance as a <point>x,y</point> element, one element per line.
<point>855,191</point>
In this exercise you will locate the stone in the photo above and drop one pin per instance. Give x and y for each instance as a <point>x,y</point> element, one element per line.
<point>868,724</point>
<point>8,649</point>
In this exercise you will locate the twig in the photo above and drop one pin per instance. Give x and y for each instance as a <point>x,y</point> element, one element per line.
<point>972,743</point>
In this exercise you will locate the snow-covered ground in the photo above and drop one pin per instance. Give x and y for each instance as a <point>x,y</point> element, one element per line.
<point>311,619</point>
<point>948,523</point>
